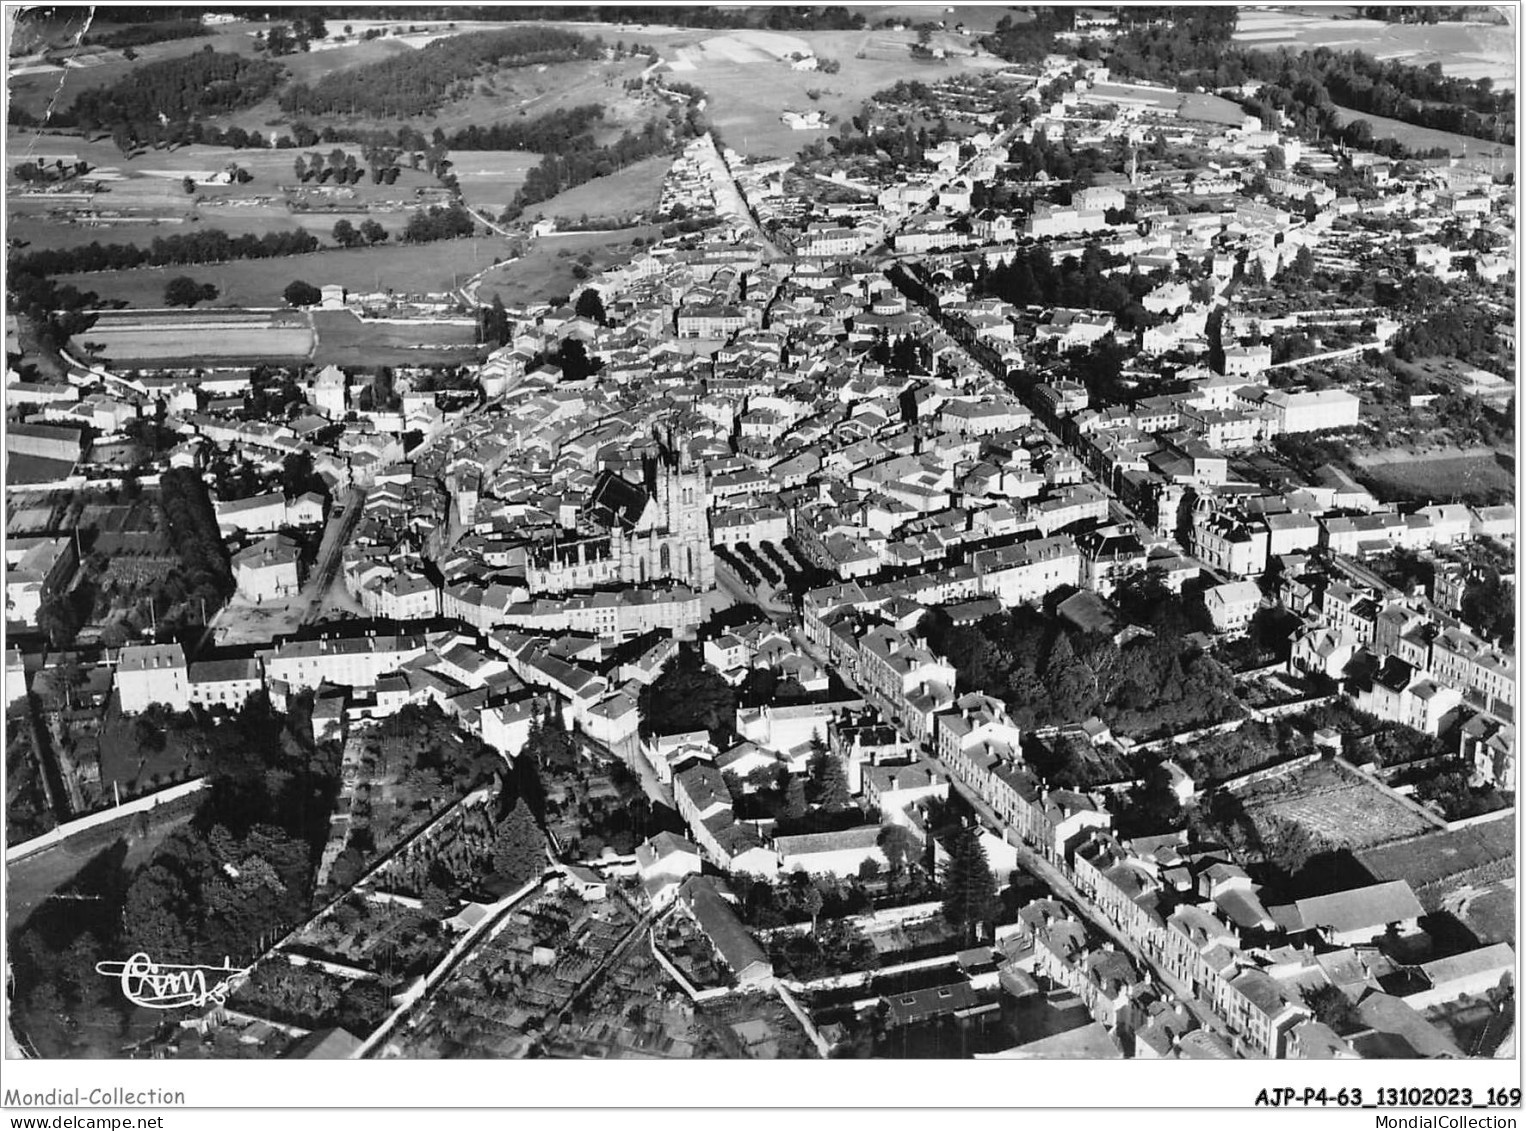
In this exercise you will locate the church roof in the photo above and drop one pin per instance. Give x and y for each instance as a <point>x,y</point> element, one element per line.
<point>614,501</point>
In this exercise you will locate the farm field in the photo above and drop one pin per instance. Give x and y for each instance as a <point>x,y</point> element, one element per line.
<point>544,272</point>
<point>432,268</point>
<point>1479,477</point>
<point>733,68</point>
<point>1336,808</point>
<point>632,190</point>
<point>1475,151</point>
<point>1465,50</point>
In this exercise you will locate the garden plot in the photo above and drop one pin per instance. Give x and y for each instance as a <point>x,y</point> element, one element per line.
<point>1334,806</point>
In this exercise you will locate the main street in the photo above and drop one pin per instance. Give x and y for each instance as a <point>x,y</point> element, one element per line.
<point>1029,860</point>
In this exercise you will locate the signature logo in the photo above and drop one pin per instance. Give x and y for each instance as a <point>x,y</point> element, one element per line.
<point>156,985</point>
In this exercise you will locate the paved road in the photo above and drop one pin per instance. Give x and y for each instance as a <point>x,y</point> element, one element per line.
<point>1035,864</point>
<point>729,198</point>
<point>336,536</point>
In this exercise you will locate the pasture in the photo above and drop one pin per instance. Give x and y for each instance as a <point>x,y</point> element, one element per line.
<point>432,268</point>
<point>545,272</point>
<point>1335,807</point>
<point>632,190</point>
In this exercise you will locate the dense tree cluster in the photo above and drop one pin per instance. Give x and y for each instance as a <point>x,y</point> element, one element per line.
<point>204,567</point>
<point>688,696</point>
<point>210,245</point>
<point>1031,41</point>
<point>136,35</point>
<point>1454,330</point>
<point>438,222</point>
<point>547,133</point>
<point>178,89</point>
<point>183,290</point>
<point>228,883</point>
<point>420,82</point>
<point>1048,674</point>
<point>803,17</point>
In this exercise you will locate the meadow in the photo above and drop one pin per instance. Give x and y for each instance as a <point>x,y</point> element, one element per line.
<point>1475,151</point>
<point>432,268</point>
<point>631,191</point>
<point>545,271</point>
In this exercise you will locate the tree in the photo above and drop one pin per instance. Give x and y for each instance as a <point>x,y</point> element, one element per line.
<point>373,232</point>
<point>590,305</point>
<point>900,846</point>
<point>830,782</point>
<point>299,293</point>
<point>183,290</point>
<point>1334,1008</point>
<point>811,903</point>
<point>969,888</point>
<point>345,234</point>
<point>520,847</point>
<point>189,185</point>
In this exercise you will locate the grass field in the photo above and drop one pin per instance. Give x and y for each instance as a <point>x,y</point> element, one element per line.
<point>1336,808</point>
<point>1481,478</point>
<point>632,190</point>
<point>488,178</point>
<point>344,339</point>
<point>1475,151</point>
<point>424,269</point>
<point>545,273</point>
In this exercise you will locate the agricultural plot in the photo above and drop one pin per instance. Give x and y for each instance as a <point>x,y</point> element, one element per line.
<point>1464,50</point>
<point>733,69</point>
<point>1336,808</point>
